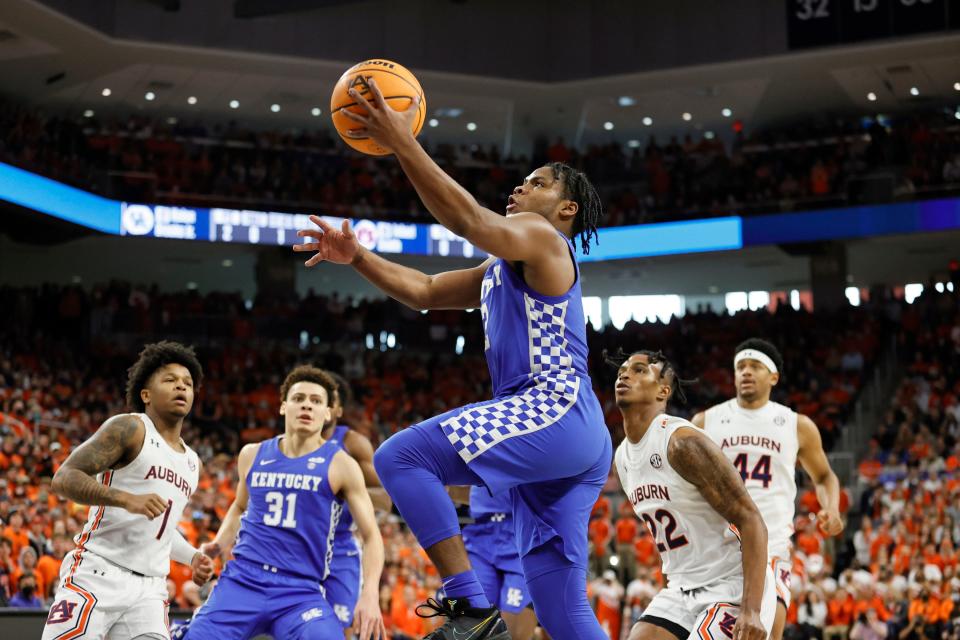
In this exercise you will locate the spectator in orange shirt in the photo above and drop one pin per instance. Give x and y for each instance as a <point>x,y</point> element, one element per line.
<point>49,566</point>
<point>626,533</point>
<point>600,536</point>
<point>839,615</point>
<point>16,533</point>
<point>645,548</point>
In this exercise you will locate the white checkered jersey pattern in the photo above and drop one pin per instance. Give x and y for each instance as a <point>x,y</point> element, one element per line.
<point>553,393</point>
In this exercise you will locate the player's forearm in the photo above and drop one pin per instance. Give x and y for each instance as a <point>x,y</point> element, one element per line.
<point>74,484</point>
<point>372,563</point>
<point>753,545</point>
<point>401,283</point>
<point>828,492</point>
<point>447,201</point>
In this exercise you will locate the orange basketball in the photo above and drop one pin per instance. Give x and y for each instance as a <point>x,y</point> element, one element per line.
<point>398,86</point>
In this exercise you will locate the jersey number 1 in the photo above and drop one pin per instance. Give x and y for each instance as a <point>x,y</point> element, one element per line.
<point>761,470</point>
<point>278,516</point>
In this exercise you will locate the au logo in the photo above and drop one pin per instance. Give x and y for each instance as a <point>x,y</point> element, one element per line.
<point>360,84</point>
<point>779,421</point>
<point>656,461</point>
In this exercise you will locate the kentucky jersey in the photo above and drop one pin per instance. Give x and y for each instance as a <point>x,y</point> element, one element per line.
<point>762,444</point>
<point>131,540</point>
<point>531,337</point>
<point>292,515</point>
<point>697,545</point>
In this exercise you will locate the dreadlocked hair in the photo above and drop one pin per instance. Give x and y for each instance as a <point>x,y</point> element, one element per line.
<point>668,371</point>
<point>577,187</point>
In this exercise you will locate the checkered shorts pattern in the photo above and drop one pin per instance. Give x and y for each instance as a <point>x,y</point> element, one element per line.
<point>553,393</point>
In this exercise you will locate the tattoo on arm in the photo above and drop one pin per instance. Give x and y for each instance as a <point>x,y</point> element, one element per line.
<point>701,463</point>
<point>76,479</point>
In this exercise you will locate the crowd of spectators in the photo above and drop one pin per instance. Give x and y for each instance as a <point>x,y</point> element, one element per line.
<point>806,165</point>
<point>64,352</point>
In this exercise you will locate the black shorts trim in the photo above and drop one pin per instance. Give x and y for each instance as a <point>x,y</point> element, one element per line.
<point>783,602</point>
<point>669,625</point>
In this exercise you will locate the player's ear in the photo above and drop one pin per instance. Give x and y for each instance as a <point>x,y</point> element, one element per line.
<point>283,407</point>
<point>774,379</point>
<point>568,209</point>
<point>664,393</point>
<point>145,396</point>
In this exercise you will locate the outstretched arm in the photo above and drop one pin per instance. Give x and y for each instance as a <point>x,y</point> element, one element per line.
<point>524,237</point>
<point>701,463</point>
<point>458,289</point>
<point>227,533</point>
<point>116,442</point>
<point>814,461</point>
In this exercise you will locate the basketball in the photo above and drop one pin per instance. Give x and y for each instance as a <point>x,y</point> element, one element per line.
<point>399,88</point>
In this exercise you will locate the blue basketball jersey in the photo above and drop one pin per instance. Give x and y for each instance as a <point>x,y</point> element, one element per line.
<point>343,538</point>
<point>531,337</point>
<point>292,515</point>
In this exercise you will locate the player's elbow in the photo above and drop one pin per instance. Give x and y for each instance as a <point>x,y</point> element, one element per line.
<point>58,484</point>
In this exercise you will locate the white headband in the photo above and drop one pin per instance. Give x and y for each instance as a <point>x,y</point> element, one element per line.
<point>759,356</point>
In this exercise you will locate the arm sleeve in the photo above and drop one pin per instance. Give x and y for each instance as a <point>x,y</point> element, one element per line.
<point>181,550</point>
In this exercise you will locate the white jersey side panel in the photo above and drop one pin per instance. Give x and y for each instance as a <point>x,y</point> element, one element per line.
<point>697,545</point>
<point>762,444</point>
<point>132,541</point>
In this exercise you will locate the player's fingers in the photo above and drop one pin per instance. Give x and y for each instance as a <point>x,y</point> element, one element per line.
<point>320,222</point>
<point>360,100</point>
<point>381,628</point>
<point>357,133</point>
<point>307,246</point>
<point>378,99</point>
<point>311,233</point>
<point>345,228</point>
<point>415,103</point>
<point>314,260</point>
<point>353,115</point>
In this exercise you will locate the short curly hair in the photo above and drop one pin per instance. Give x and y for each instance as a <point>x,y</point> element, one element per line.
<point>153,357</point>
<point>309,373</point>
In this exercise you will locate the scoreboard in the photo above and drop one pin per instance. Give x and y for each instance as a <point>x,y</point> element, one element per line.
<point>820,23</point>
<point>246,226</point>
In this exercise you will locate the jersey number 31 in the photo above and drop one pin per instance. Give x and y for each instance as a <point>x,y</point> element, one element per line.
<point>280,516</point>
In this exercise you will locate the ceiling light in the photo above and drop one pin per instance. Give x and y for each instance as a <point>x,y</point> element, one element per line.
<point>471,126</point>
<point>726,112</point>
<point>433,122</point>
<point>315,111</point>
<point>275,108</point>
<point>192,100</point>
<point>633,144</point>
<point>708,135</point>
<point>686,116</point>
<point>955,115</point>
<point>227,262</point>
<point>956,86</point>
<point>872,97</point>
<point>626,101</point>
<point>234,104</point>
<point>608,126</point>
<point>150,95</point>
<point>914,91</point>
<point>88,113</point>
<point>106,93</point>
<point>171,120</point>
<point>648,121</point>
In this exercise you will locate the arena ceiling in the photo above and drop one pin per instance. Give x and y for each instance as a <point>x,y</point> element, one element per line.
<point>54,61</point>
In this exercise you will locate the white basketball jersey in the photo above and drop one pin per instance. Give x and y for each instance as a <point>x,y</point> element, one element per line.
<point>762,444</point>
<point>697,545</point>
<point>132,540</point>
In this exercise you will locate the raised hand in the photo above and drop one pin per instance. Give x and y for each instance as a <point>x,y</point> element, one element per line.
<point>339,246</point>
<point>385,125</point>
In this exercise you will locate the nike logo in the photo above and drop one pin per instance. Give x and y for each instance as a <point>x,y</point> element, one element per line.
<point>263,462</point>
<point>473,631</point>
